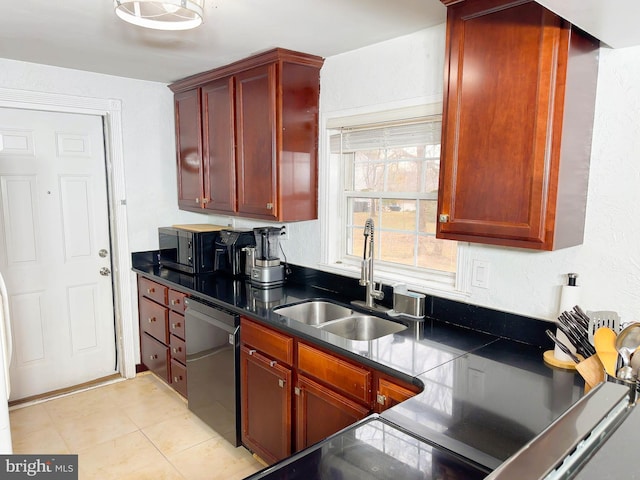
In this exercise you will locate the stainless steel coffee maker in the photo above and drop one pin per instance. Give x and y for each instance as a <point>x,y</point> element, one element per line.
<point>268,270</point>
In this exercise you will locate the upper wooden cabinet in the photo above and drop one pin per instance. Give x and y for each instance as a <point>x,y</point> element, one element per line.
<point>219,169</point>
<point>189,149</point>
<point>247,137</point>
<point>519,99</point>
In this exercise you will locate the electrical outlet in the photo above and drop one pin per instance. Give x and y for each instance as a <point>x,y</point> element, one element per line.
<point>285,233</point>
<point>480,274</point>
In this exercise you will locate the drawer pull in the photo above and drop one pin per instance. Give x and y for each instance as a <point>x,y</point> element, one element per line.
<point>153,357</point>
<point>177,379</point>
<point>177,349</point>
<point>273,363</point>
<point>151,290</point>
<point>152,319</point>
<point>175,325</point>
<point>251,352</point>
<point>175,302</point>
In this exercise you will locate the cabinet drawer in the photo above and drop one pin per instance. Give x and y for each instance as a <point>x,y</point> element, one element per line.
<point>154,319</point>
<point>152,290</point>
<point>176,301</point>
<point>339,374</point>
<point>176,324</point>
<point>155,356</point>
<point>178,349</point>
<point>269,342</point>
<point>179,377</point>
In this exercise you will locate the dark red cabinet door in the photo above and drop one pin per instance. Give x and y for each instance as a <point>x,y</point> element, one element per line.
<point>219,153</point>
<point>189,149</point>
<point>256,141</point>
<point>266,406</point>
<point>519,95</point>
<point>321,412</point>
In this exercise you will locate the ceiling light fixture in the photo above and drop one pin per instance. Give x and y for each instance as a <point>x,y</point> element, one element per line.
<point>161,14</point>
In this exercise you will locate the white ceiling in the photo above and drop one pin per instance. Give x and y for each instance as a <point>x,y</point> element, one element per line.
<point>87,35</point>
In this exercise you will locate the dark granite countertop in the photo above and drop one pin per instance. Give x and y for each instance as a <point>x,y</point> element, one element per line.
<point>484,396</point>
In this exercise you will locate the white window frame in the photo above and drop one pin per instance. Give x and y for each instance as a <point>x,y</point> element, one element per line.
<point>333,210</point>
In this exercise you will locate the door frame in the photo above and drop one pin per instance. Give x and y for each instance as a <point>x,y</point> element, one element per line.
<point>111,112</point>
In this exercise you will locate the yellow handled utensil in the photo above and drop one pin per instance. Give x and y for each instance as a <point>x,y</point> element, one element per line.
<point>604,340</point>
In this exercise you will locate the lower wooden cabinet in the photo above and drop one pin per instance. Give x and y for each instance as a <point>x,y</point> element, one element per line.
<point>266,405</point>
<point>329,393</point>
<point>345,377</point>
<point>179,377</point>
<point>162,345</point>
<point>390,392</point>
<point>321,412</point>
<point>155,355</point>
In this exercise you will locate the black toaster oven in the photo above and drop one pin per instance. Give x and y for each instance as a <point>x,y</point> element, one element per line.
<point>188,250</point>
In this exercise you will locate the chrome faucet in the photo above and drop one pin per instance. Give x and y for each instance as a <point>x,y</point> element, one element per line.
<point>366,272</point>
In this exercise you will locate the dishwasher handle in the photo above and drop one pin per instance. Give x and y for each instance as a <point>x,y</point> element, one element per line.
<point>218,318</point>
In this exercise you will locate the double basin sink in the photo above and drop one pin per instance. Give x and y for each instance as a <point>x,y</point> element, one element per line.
<point>340,320</point>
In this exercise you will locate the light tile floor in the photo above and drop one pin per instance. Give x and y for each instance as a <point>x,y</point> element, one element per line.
<point>133,429</point>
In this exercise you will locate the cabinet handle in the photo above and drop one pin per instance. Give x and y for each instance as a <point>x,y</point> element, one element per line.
<point>176,350</point>
<point>177,379</point>
<point>281,383</point>
<point>269,206</point>
<point>273,363</point>
<point>205,200</point>
<point>443,218</point>
<point>175,325</point>
<point>153,357</point>
<point>251,352</point>
<point>152,319</point>
<point>297,391</point>
<point>151,290</point>
<point>381,399</point>
<point>175,302</point>
<point>198,200</point>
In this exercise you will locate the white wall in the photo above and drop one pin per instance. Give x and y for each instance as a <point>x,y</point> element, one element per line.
<point>399,71</point>
<point>148,139</point>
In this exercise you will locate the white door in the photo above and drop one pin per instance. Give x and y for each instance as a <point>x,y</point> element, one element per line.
<point>54,249</point>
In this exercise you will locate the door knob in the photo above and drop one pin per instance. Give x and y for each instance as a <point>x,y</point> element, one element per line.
<point>103,253</point>
<point>105,272</point>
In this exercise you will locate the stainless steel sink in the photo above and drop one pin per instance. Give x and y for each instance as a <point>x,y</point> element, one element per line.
<point>362,327</point>
<point>314,312</point>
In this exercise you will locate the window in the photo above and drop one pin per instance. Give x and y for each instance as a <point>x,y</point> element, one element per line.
<point>389,171</point>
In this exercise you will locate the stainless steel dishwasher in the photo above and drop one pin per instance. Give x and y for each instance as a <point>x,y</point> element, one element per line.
<point>213,357</point>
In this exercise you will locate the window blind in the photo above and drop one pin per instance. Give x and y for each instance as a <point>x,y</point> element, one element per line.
<point>373,137</point>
